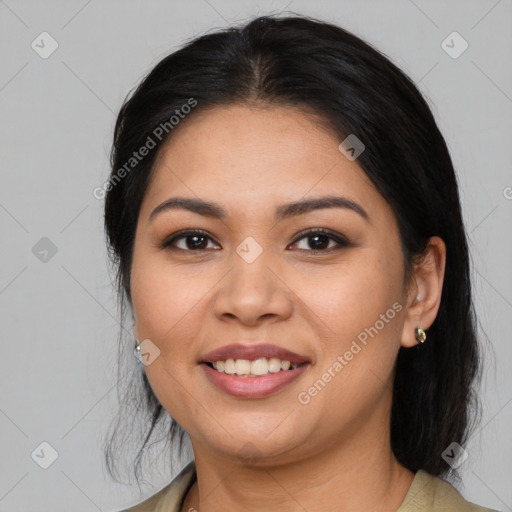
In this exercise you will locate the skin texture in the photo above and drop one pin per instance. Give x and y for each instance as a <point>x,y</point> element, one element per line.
<point>332,453</point>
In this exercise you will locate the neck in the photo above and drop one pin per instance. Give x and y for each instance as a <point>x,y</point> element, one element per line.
<point>360,474</point>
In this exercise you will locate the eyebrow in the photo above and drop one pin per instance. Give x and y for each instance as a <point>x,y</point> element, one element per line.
<point>285,211</point>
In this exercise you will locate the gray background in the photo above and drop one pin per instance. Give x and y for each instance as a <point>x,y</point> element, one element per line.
<point>58,314</point>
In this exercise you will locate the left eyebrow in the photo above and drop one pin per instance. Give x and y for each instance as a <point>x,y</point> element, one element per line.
<point>307,205</point>
<point>285,211</point>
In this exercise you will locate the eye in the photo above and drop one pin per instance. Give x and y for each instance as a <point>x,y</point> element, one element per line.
<point>319,239</point>
<point>195,240</point>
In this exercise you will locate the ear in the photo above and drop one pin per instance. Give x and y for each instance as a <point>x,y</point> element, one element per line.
<point>135,332</point>
<point>424,293</point>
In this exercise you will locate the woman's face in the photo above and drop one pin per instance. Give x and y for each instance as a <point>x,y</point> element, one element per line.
<point>254,277</point>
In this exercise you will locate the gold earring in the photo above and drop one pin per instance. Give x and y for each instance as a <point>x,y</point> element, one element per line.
<point>420,334</point>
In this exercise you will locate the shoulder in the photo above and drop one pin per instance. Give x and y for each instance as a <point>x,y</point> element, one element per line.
<point>429,493</point>
<point>170,498</point>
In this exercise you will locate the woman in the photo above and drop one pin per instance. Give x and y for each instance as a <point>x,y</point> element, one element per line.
<point>285,220</point>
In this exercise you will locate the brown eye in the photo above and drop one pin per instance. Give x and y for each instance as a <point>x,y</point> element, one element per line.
<point>194,240</point>
<point>319,240</point>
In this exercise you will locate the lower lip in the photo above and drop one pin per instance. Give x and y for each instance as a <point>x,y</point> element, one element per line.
<point>252,387</point>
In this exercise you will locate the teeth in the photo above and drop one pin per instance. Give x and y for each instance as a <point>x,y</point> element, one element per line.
<point>229,366</point>
<point>274,365</point>
<point>256,368</point>
<point>242,367</point>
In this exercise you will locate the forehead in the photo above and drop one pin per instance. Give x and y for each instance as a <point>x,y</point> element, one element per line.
<point>252,156</point>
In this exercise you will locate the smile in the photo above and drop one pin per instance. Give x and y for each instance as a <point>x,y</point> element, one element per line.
<point>251,370</point>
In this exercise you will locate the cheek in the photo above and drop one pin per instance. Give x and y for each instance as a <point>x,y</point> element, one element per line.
<point>361,306</point>
<point>357,353</point>
<point>352,297</point>
<point>166,301</point>
<point>167,308</point>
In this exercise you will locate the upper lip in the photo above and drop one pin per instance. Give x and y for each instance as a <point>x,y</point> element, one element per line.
<point>252,352</point>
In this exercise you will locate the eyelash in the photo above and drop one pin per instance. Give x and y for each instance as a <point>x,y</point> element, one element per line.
<point>339,239</point>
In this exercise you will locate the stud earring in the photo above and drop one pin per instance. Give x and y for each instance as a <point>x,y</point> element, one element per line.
<point>420,335</point>
<point>136,351</point>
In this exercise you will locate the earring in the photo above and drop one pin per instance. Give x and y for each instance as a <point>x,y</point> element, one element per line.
<point>136,351</point>
<point>420,335</point>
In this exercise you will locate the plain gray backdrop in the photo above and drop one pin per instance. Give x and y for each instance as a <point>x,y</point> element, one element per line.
<point>58,315</point>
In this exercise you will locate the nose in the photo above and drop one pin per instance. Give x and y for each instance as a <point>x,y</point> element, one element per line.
<point>253,292</point>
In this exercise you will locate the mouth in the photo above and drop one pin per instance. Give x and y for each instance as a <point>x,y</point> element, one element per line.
<point>253,371</point>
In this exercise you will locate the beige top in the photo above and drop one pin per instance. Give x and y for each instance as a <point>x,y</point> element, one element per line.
<point>427,493</point>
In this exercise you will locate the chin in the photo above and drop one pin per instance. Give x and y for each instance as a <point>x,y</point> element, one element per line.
<point>256,443</point>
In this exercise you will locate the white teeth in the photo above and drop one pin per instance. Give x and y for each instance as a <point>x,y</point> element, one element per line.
<point>256,368</point>
<point>259,367</point>
<point>242,366</point>
<point>274,365</point>
<point>229,366</point>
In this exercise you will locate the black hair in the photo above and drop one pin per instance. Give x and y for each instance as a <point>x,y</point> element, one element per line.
<point>331,73</point>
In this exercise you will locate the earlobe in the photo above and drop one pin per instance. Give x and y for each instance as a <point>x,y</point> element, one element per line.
<point>428,276</point>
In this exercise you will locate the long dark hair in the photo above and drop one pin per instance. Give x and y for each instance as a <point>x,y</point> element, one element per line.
<point>329,72</point>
